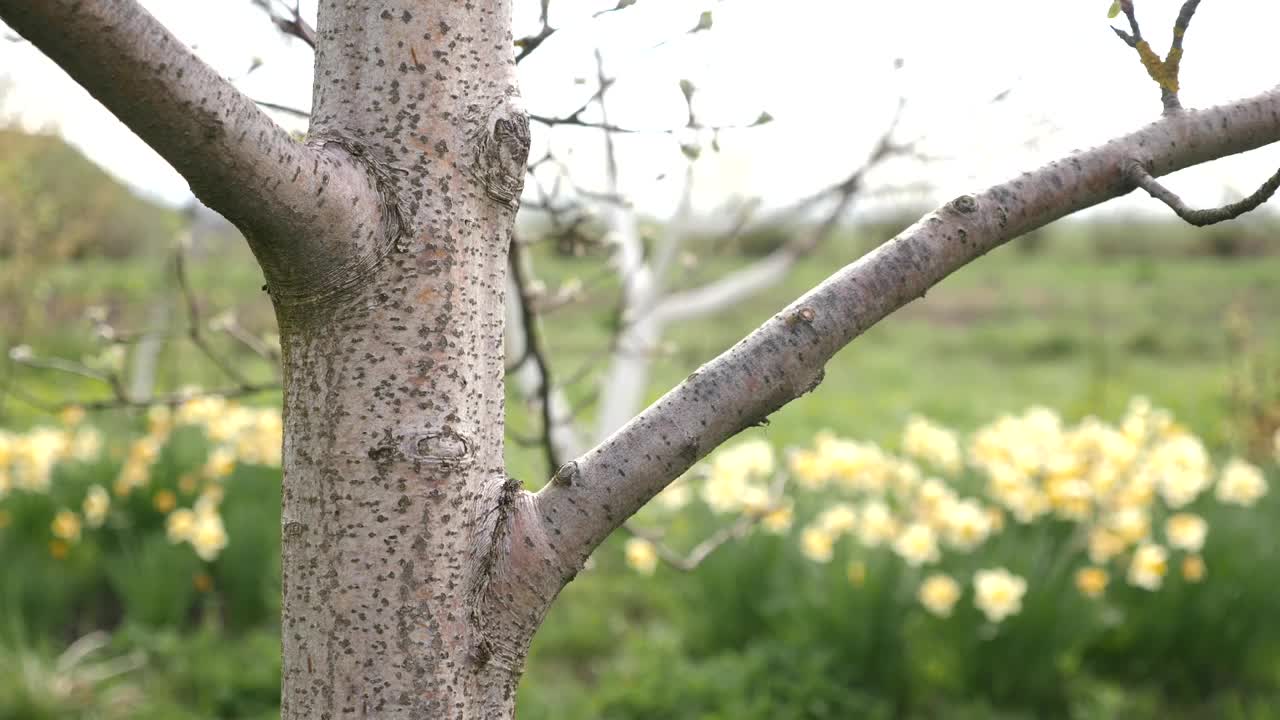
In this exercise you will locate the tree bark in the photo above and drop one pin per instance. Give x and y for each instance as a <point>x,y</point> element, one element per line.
<point>415,570</point>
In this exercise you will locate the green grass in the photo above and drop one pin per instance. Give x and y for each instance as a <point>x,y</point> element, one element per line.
<point>1068,327</point>
<point>1065,327</point>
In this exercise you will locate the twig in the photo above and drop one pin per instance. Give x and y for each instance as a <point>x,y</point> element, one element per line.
<point>232,327</point>
<point>1164,72</point>
<point>193,316</point>
<point>1143,179</point>
<point>703,550</point>
<point>526,45</point>
<point>533,351</point>
<point>18,356</point>
<point>283,108</point>
<point>290,22</point>
<point>176,397</point>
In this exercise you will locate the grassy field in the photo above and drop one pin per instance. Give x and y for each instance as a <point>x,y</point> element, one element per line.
<point>1082,324</point>
<point>1065,326</point>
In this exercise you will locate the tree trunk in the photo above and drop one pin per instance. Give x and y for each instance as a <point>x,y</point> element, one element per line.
<point>398,514</point>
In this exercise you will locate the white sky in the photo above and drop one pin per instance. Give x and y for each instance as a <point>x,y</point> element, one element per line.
<point>822,68</point>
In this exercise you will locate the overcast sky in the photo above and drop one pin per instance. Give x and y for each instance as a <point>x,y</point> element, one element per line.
<point>823,68</point>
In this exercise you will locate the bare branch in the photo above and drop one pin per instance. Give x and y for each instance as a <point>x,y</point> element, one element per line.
<point>703,550</point>
<point>700,552</point>
<point>290,21</point>
<point>231,326</point>
<point>193,315</point>
<point>21,355</point>
<point>120,397</point>
<point>1181,24</point>
<point>1200,218</point>
<point>574,119</point>
<point>237,160</point>
<point>526,45</point>
<point>769,270</point>
<point>536,355</point>
<point>784,358</point>
<point>283,108</point>
<point>1164,72</point>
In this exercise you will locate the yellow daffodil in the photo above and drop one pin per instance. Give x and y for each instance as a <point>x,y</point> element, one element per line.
<point>938,594</point>
<point>876,524</point>
<point>838,519</point>
<point>967,525</point>
<point>778,520</point>
<point>208,536</point>
<point>66,526</point>
<point>1186,531</point>
<point>817,544</point>
<point>641,556</point>
<point>96,504</point>
<point>164,501</point>
<point>1092,581</point>
<point>917,545</point>
<point>1148,567</point>
<point>1104,545</point>
<point>1193,569</point>
<point>998,593</point>
<point>932,443</point>
<point>179,525</point>
<point>1241,484</point>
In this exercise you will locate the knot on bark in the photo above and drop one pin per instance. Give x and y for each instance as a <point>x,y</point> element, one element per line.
<point>501,147</point>
<point>965,204</point>
<point>567,473</point>
<point>441,449</point>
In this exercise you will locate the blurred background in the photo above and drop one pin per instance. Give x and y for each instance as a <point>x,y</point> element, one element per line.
<point>1040,491</point>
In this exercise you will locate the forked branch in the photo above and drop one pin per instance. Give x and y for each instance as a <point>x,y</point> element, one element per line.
<point>1163,71</point>
<point>289,20</point>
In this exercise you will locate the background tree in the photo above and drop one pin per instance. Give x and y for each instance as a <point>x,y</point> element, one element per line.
<point>415,570</point>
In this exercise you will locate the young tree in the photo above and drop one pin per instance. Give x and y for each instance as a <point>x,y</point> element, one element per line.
<point>415,570</point>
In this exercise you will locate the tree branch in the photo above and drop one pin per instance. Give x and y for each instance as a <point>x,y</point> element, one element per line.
<point>290,24</point>
<point>1200,218</point>
<point>744,524</point>
<point>194,325</point>
<point>769,270</point>
<point>1164,72</point>
<point>558,434</point>
<point>238,161</point>
<point>784,358</point>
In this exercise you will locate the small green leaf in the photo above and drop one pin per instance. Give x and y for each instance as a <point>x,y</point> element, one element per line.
<point>1115,9</point>
<point>691,151</point>
<point>704,22</point>
<point>624,4</point>
<point>764,119</point>
<point>687,88</point>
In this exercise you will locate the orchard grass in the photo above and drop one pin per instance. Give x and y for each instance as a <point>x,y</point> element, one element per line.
<point>761,629</point>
